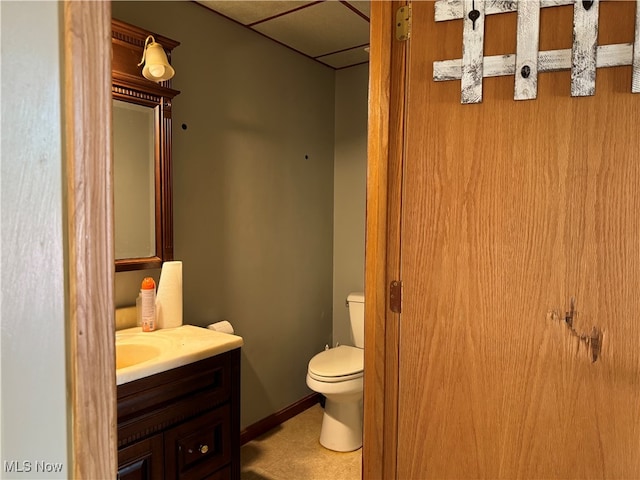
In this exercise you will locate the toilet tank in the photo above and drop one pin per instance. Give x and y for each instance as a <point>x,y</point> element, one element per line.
<point>355,301</point>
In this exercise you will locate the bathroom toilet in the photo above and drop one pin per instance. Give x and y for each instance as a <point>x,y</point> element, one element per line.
<point>337,373</point>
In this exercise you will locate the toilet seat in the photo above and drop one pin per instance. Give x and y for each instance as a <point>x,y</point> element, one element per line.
<point>337,364</point>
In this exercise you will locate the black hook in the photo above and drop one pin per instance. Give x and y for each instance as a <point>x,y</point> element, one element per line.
<point>474,14</point>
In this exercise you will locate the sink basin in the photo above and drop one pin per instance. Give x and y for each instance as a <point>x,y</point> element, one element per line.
<point>128,354</point>
<point>141,354</point>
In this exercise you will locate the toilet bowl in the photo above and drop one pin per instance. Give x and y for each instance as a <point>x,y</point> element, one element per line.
<point>338,375</point>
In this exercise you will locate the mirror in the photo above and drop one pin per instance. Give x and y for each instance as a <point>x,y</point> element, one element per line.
<point>141,112</point>
<point>134,192</point>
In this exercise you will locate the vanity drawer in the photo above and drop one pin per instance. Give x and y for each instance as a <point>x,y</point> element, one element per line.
<point>210,376</point>
<point>199,447</point>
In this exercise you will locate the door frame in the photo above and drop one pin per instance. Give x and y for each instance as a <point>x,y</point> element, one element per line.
<point>90,352</point>
<point>382,246</point>
<point>86,107</point>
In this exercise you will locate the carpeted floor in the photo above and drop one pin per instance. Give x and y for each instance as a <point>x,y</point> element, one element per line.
<point>292,452</point>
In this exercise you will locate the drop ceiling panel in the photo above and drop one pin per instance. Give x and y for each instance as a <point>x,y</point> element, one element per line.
<point>320,29</point>
<point>347,58</point>
<point>248,12</point>
<point>333,30</point>
<point>363,6</point>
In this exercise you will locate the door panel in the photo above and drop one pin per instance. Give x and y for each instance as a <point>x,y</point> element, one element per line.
<point>142,460</point>
<point>510,210</point>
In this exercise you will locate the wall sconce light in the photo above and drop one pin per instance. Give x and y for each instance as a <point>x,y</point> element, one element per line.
<point>156,66</point>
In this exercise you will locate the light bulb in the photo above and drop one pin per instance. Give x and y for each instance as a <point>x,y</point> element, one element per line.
<point>157,70</point>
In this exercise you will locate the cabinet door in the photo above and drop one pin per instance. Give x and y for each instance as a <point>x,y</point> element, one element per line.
<point>198,448</point>
<point>142,460</point>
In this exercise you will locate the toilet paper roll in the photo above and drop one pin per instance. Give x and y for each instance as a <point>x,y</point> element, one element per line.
<point>223,326</point>
<point>169,297</point>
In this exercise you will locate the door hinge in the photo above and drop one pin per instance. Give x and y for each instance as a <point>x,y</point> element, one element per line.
<point>403,23</point>
<point>395,296</point>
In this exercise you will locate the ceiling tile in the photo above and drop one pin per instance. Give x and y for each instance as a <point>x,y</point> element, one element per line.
<point>363,5</point>
<point>345,59</point>
<point>248,12</point>
<point>319,29</point>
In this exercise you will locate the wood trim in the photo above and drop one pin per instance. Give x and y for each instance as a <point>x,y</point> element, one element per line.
<point>234,473</point>
<point>376,239</point>
<point>129,264</point>
<point>399,52</point>
<point>263,426</point>
<point>131,34</point>
<point>166,182</point>
<point>127,85</point>
<point>382,253</point>
<point>90,351</point>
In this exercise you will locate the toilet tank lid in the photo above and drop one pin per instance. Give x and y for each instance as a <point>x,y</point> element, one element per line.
<point>356,297</point>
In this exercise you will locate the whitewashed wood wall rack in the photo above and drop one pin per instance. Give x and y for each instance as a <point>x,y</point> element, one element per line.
<point>582,59</point>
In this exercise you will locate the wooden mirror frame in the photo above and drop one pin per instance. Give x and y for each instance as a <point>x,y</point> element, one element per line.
<point>128,84</point>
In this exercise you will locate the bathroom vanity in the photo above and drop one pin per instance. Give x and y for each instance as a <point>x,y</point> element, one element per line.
<point>182,422</point>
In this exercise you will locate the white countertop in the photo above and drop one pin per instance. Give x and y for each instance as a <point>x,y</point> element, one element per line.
<point>167,348</point>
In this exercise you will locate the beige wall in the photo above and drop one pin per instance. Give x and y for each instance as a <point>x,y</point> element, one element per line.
<point>253,217</point>
<point>33,394</point>
<point>350,173</point>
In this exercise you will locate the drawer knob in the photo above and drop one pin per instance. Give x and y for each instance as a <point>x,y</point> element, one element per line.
<point>201,449</point>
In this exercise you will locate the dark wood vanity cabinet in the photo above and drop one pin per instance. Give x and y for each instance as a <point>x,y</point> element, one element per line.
<point>183,423</point>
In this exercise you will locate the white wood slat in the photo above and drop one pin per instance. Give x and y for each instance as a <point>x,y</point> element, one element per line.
<point>452,9</point>
<point>615,55</point>
<point>635,82</point>
<point>494,66</point>
<point>472,52</point>
<point>585,48</point>
<point>526,70</point>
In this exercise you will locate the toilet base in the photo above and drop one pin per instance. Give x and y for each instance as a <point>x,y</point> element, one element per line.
<point>342,423</point>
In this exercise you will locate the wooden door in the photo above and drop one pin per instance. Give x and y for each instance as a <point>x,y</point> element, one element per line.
<point>510,210</point>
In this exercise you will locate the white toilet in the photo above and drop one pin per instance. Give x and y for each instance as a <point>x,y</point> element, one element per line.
<point>337,374</point>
